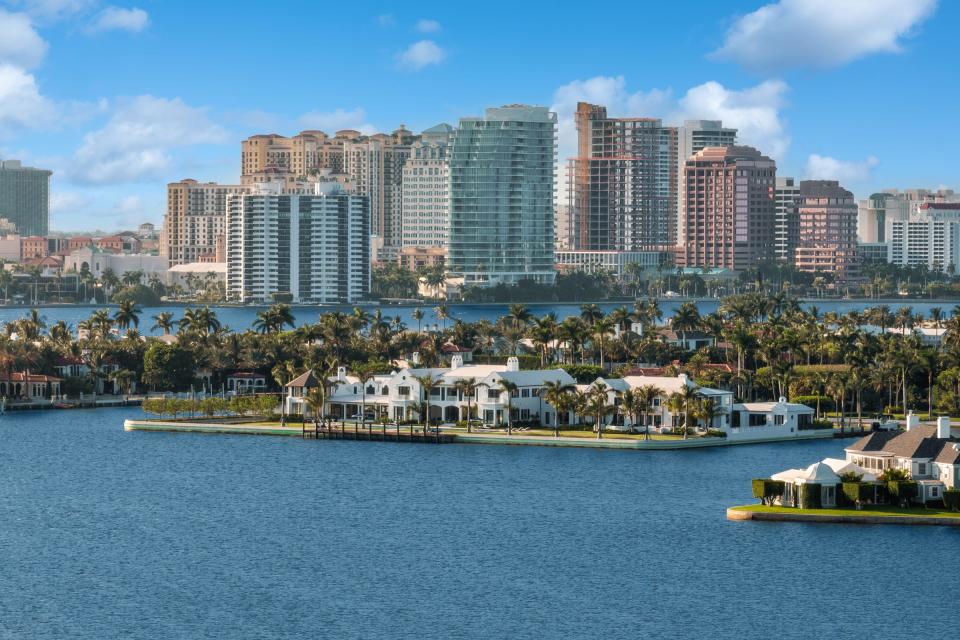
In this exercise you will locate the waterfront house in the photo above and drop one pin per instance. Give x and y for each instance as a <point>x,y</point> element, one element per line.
<point>243,382</point>
<point>33,387</point>
<point>745,421</point>
<point>399,395</point>
<point>928,453</point>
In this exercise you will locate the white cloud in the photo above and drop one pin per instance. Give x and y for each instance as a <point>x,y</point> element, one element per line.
<point>845,171</point>
<point>135,143</point>
<point>821,33</point>
<point>421,54</point>
<point>428,26</point>
<point>332,121</point>
<point>51,10</point>
<point>68,201</point>
<point>755,112</point>
<point>119,19</point>
<point>21,104</point>
<point>20,44</point>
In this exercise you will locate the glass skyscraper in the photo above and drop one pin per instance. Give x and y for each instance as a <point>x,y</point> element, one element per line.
<point>501,197</point>
<point>25,197</point>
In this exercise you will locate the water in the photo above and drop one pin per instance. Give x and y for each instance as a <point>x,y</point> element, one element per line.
<point>242,318</point>
<point>106,534</point>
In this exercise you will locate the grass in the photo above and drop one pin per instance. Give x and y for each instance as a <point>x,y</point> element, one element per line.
<point>607,435</point>
<point>881,510</point>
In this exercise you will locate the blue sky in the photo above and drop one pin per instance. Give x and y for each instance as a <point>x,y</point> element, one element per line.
<point>119,99</point>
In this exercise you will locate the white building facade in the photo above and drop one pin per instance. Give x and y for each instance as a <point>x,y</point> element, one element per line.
<point>312,247</point>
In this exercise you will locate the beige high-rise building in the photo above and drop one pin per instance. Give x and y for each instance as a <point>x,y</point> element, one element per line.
<point>729,209</point>
<point>271,156</point>
<point>195,220</point>
<point>375,167</point>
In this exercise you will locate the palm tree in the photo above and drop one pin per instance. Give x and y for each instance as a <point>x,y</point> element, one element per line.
<point>590,313</point>
<point>687,318</point>
<point>467,387</point>
<point>127,314</point>
<point>598,407</point>
<point>509,388</point>
<point>684,401</point>
<point>363,378</point>
<point>520,316</point>
<point>418,316</point>
<point>602,328</point>
<point>555,393</point>
<point>646,396</point>
<point>164,322</point>
<point>427,382</point>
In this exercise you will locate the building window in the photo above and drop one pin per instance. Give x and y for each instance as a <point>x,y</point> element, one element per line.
<point>778,420</point>
<point>403,391</point>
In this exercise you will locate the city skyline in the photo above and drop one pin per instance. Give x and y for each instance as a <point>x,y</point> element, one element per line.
<point>100,94</point>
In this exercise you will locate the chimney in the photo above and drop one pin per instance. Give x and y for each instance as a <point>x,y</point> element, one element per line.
<point>456,362</point>
<point>415,358</point>
<point>782,400</point>
<point>683,378</point>
<point>513,364</point>
<point>341,374</point>
<point>943,427</point>
<point>912,420</point>
<point>637,328</point>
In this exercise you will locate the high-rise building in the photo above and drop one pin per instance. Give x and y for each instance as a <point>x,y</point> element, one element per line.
<point>827,240</point>
<point>25,197</point>
<point>878,212</point>
<point>375,166</point>
<point>565,228</point>
<point>693,136</point>
<point>929,237</point>
<point>624,182</point>
<point>501,196</point>
<point>313,246</point>
<point>425,202</point>
<point>786,226</point>
<point>274,157</point>
<point>730,209</point>
<point>194,224</point>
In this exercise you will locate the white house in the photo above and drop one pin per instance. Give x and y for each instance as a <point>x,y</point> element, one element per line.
<point>745,421</point>
<point>929,453</point>
<point>398,395</point>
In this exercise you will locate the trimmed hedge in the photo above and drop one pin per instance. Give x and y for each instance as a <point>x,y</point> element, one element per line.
<point>951,500</point>
<point>858,492</point>
<point>902,491</point>
<point>765,489</point>
<point>810,496</point>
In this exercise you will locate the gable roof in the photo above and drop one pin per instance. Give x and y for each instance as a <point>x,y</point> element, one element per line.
<point>919,442</point>
<point>305,380</point>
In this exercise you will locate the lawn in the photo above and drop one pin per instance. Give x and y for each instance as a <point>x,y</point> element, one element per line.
<point>884,510</point>
<point>607,435</point>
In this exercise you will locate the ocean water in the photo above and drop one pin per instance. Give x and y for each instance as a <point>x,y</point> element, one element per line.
<point>242,318</point>
<point>107,534</point>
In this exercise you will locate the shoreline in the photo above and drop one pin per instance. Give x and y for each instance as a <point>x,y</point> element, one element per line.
<point>745,513</point>
<point>430,303</point>
<point>177,426</point>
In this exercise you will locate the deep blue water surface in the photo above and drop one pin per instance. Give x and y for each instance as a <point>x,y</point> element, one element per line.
<point>107,534</point>
<point>242,318</point>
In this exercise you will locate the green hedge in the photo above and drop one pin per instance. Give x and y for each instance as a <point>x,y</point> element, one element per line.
<point>810,496</point>
<point>951,500</point>
<point>765,489</point>
<point>858,492</point>
<point>826,403</point>
<point>902,491</point>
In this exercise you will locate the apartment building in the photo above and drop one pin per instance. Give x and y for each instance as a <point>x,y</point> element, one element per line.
<point>930,237</point>
<point>787,221</point>
<point>730,209</point>
<point>501,196</point>
<point>195,220</point>
<point>827,230</point>
<point>624,182</point>
<point>268,157</point>
<point>25,197</point>
<point>425,204</point>
<point>694,136</point>
<point>312,246</point>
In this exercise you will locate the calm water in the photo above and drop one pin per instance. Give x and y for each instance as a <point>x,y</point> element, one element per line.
<point>107,534</point>
<point>241,318</point>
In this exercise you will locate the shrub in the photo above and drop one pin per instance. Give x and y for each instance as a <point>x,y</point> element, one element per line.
<point>138,293</point>
<point>902,491</point>
<point>766,490</point>
<point>858,492</point>
<point>951,500</point>
<point>810,496</point>
<point>826,403</point>
<point>583,373</point>
<point>716,433</point>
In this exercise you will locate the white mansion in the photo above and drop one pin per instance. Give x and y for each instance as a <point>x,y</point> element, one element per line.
<point>398,396</point>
